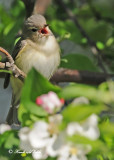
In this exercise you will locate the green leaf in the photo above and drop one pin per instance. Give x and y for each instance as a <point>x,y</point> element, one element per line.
<point>100,45</point>
<point>110,41</point>
<point>27,116</point>
<point>36,118</point>
<point>12,140</point>
<point>98,31</point>
<point>34,109</point>
<point>35,85</point>
<point>9,139</point>
<point>92,93</point>
<point>104,8</point>
<point>78,61</point>
<point>84,40</point>
<point>5,71</point>
<point>3,138</point>
<point>21,111</point>
<point>17,40</point>
<point>80,112</point>
<point>66,27</point>
<point>8,28</point>
<point>107,128</point>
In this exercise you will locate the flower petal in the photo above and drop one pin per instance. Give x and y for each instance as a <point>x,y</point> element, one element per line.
<point>74,128</point>
<point>4,128</point>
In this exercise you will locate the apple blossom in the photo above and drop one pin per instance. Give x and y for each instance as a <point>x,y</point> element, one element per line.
<point>88,129</point>
<point>80,100</point>
<point>4,128</point>
<point>50,102</point>
<point>73,152</point>
<point>41,137</point>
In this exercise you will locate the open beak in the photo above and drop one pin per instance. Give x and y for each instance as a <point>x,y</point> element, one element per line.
<point>45,31</point>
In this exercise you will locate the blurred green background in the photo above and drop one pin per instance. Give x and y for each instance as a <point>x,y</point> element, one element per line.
<point>96,18</point>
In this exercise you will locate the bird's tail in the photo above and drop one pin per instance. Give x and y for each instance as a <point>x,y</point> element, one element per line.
<point>12,117</point>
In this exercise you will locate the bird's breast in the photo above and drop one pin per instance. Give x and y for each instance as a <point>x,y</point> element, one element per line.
<point>45,64</point>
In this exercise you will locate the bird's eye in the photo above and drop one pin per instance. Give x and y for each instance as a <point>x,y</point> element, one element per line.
<point>34,29</point>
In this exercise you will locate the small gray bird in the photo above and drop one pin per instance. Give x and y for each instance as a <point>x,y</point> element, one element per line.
<point>37,48</point>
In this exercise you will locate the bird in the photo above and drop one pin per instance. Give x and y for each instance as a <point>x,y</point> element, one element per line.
<point>36,48</point>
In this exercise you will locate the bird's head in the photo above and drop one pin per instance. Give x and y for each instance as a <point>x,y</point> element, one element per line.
<point>36,29</point>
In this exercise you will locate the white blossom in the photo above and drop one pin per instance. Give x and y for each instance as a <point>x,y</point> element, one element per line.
<point>46,140</point>
<point>38,136</point>
<point>24,140</point>
<point>73,152</point>
<point>41,137</point>
<point>88,129</point>
<point>56,119</point>
<point>4,128</point>
<point>80,100</point>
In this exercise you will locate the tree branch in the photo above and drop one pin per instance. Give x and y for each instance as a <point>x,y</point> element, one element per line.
<point>36,6</point>
<point>61,75</point>
<point>29,5</point>
<point>10,66</point>
<point>94,48</point>
<point>86,77</point>
<point>41,6</point>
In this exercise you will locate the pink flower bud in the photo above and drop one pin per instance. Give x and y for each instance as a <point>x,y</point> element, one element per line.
<point>50,102</point>
<point>62,100</point>
<point>39,101</point>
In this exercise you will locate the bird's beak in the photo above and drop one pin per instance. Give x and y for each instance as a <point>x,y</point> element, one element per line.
<point>46,25</point>
<point>45,31</point>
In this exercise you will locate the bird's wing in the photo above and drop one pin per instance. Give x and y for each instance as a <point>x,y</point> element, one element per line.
<point>19,46</point>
